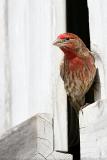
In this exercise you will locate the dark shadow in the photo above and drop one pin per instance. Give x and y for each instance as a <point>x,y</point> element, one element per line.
<point>77,19</point>
<point>73,132</point>
<point>77,22</point>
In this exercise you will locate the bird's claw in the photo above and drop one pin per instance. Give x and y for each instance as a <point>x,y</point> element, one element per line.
<point>82,107</point>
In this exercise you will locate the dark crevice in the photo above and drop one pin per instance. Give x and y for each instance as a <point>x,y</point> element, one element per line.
<point>78,23</point>
<point>78,19</point>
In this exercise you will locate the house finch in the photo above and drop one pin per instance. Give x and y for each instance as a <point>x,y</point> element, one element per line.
<point>77,69</point>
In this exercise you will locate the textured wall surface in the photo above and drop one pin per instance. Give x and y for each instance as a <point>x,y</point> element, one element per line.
<point>29,63</point>
<point>93,131</point>
<point>35,80</point>
<point>31,140</point>
<point>98,31</point>
<point>5,109</point>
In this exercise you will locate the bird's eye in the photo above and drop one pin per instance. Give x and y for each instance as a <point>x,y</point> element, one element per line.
<point>66,39</point>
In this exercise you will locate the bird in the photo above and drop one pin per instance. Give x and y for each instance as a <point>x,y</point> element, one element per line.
<point>77,68</point>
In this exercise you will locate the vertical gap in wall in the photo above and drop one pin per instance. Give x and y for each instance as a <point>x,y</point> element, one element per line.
<point>78,23</point>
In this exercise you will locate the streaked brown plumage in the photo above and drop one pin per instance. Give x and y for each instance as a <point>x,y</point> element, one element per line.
<point>77,69</point>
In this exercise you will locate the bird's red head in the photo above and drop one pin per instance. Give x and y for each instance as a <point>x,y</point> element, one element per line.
<point>67,35</point>
<point>67,40</point>
<point>69,43</point>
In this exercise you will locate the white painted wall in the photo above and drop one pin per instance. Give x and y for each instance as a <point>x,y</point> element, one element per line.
<point>29,63</point>
<point>5,109</point>
<point>98,31</point>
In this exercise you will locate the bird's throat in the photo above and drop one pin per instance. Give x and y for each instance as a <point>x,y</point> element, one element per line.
<point>74,61</point>
<point>69,54</point>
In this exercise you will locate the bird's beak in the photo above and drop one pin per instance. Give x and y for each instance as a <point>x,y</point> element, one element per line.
<point>58,42</point>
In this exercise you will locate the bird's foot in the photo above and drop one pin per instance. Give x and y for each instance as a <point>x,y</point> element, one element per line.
<point>82,107</point>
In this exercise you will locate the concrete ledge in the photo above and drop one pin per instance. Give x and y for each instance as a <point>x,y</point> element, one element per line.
<point>31,140</point>
<point>93,131</point>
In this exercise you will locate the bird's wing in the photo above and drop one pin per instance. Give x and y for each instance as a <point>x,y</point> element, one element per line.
<point>100,76</point>
<point>62,72</point>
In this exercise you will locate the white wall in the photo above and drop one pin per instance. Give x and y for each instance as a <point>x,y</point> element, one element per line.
<point>98,31</point>
<point>5,109</point>
<point>29,63</point>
